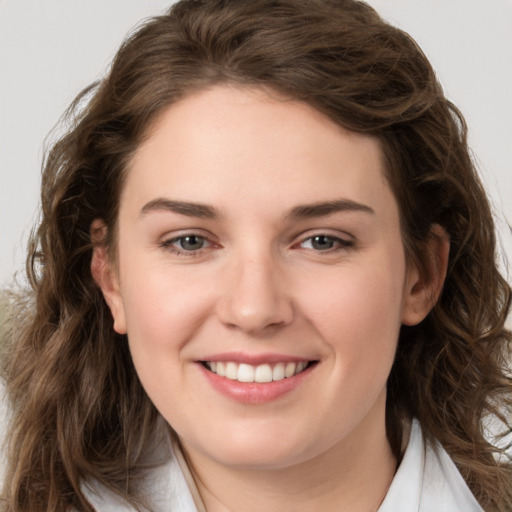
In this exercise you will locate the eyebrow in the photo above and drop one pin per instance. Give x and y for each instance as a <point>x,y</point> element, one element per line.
<point>202,211</point>
<point>306,211</point>
<point>309,211</point>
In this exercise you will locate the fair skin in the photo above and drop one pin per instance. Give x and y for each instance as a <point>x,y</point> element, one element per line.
<point>254,231</point>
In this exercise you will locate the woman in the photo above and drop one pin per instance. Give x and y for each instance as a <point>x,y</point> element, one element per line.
<point>264,278</point>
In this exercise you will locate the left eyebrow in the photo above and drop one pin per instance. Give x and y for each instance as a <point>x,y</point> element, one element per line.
<point>308,211</point>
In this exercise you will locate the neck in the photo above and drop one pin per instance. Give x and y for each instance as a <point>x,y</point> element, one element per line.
<point>354,475</point>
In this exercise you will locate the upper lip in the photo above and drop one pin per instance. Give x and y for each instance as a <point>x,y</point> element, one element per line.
<point>255,359</point>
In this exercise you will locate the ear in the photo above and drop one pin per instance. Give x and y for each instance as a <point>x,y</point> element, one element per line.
<point>423,286</point>
<point>105,274</point>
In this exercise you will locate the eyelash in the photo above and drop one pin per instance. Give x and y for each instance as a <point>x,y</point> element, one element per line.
<point>340,244</point>
<point>168,244</point>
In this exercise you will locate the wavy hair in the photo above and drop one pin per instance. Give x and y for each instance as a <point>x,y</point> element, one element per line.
<point>79,413</point>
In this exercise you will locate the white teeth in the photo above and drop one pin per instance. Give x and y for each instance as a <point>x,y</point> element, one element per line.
<point>262,373</point>
<point>300,367</point>
<point>231,371</point>
<point>278,372</point>
<point>290,369</point>
<point>246,373</point>
<point>220,370</point>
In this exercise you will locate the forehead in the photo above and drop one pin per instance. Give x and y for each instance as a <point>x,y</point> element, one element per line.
<point>246,144</point>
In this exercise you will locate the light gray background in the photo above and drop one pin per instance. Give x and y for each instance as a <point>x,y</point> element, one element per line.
<point>51,49</point>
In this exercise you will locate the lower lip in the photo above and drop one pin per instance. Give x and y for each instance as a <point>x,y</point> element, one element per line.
<point>255,392</point>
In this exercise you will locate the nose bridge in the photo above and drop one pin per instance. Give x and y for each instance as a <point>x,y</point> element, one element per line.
<point>255,296</point>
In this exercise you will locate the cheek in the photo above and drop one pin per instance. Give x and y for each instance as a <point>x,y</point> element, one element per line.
<point>163,315</point>
<point>360,324</point>
<point>358,311</point>
<point>162,305</point>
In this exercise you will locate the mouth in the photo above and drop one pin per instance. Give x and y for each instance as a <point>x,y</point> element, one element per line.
<point>262,373</point>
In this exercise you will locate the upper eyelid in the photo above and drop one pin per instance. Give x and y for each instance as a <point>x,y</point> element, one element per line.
<point>180,237</point>
<point>343,237</point>
<point>169,242</point>
<point>170,245</point>
<point>342,241</point>
<point>182,233</point>
<point>172,239</point>
<point>328,232</point>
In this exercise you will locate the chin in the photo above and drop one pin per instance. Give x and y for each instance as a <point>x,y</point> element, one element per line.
<point>260,448</point>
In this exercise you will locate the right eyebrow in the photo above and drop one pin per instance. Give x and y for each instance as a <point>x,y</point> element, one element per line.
<point>199,210</point>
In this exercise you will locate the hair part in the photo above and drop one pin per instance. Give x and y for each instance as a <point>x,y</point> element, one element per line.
<point>79,411</point>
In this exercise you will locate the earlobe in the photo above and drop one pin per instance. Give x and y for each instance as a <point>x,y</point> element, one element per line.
<point>105,275</point>
<point>423,286</point>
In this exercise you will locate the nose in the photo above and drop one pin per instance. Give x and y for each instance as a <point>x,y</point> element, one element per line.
<point>254,296</point>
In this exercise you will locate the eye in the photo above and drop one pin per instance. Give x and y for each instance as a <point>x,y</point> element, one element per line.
<point>325,243</point>
<point>186,244</point>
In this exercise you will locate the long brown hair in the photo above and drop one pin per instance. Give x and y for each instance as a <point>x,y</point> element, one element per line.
<point>79,411</point>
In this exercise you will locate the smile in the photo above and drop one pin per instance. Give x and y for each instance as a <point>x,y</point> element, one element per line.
<point>243,372</point>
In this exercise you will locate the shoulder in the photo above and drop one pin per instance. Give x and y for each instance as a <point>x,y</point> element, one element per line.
<point>428,481</point>
<point>165,489</point>
<point>165,486</point>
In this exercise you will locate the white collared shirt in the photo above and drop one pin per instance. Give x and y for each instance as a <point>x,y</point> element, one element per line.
<point>426,481</point>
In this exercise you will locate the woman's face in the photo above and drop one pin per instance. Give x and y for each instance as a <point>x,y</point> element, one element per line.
<point>261,278</point>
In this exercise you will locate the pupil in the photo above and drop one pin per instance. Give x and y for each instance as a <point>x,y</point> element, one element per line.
<point>192,243</point>
<point>322,242</point>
